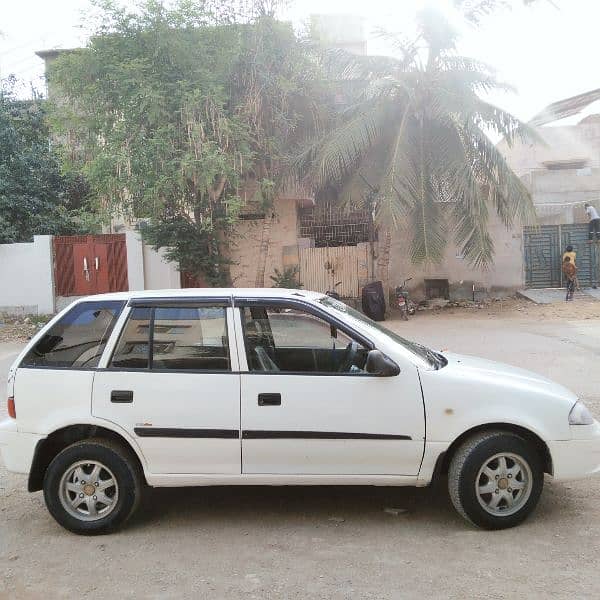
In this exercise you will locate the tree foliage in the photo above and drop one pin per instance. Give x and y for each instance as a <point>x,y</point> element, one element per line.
<point>416,130</point>
<point>35,197</point>
<point>173,111</point>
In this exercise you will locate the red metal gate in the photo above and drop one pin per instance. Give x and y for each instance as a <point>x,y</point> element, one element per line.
<point>90,264</point>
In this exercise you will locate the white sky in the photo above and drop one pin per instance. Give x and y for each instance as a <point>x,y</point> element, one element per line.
<point>549,51</point>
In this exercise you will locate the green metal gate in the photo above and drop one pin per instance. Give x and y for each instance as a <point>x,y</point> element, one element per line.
<point>543,247</point>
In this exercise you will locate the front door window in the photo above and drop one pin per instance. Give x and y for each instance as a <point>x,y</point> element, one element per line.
<point>295,341</point>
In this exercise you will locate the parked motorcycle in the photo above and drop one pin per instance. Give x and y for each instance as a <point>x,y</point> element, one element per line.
<point>333,293</point>
<point>403,303</point>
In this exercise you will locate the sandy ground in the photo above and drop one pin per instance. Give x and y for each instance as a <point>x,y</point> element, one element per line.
<point>337,542</point>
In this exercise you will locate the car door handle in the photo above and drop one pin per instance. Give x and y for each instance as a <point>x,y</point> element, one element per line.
<point>269,399</point>
<point>121,396</point>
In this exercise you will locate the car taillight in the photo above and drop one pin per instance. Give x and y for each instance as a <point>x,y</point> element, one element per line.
<point>12,413</point>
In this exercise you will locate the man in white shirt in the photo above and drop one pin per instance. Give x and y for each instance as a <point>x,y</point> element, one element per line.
<point>594,232</point>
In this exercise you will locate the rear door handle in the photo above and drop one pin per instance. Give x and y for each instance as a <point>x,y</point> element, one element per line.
<point>121,396</point>
<point>269,399</point>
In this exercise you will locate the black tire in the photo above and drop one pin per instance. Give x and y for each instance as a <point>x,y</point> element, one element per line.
<point>404,313</point>
<point>123,465</point>
<point>464,475</point>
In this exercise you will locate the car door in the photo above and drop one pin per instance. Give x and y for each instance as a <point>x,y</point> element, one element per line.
<point>308,406</point>
<point>172,382</point>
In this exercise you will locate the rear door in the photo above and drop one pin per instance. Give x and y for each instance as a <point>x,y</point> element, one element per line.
<point>172,382</point>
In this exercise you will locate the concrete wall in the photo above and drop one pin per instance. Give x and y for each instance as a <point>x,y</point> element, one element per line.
<point>148,269</point>
<point>246,242</point>
<point>504,277</point>
<point>158,272</point>
<point>26,277</point>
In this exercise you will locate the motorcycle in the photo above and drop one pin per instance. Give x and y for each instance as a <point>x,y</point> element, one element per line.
<point>403,303</point>
<point>333,293</point>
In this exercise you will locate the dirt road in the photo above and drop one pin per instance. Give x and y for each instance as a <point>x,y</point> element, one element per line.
<point>336,542</point>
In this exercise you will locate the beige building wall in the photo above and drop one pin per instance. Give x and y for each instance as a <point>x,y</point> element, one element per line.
<point>278,231</point>
<point>557,143</point>
<point>561,170</point>
<point>502,278</point>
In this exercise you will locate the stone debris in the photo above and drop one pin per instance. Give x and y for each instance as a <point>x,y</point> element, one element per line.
<point>395,511</point>
<point>21,329</point>
<point>337,519</point>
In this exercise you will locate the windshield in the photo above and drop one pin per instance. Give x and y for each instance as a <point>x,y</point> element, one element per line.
<point>434,359</point>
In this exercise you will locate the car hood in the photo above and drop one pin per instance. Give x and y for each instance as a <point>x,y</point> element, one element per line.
<point>497,373</point>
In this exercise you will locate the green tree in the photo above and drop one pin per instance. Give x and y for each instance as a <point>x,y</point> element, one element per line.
<point>416,131</point>
<point>35,197</point>
<point>174,112</point>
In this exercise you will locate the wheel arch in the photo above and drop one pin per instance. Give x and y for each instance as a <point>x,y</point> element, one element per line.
<point>47,448</point>
<point>443,461</point>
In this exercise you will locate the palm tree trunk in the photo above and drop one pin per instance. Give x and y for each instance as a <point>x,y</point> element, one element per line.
<point>383,260</point>
<point>264,250</point>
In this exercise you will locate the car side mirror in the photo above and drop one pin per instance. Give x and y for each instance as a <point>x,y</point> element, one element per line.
<point>380,364</point>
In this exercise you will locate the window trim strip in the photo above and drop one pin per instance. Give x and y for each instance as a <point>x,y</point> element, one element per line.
<point>179,302</point>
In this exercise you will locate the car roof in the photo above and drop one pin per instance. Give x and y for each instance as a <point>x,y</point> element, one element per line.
<point>210,292</point>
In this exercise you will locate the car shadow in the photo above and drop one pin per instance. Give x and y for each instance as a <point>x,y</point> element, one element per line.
<point>244,505</point>
<point>283,506</point>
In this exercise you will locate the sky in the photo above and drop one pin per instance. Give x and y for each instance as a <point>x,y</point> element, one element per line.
<point>547,50</point>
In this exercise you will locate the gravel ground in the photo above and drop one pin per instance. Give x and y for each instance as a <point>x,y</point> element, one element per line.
<point>330,542</point>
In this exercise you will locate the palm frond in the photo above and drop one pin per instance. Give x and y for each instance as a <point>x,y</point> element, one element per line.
<point>343,65</point>
<point>331,159</point>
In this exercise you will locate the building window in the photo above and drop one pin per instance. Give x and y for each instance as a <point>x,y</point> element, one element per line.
<point>329,225</point>
<point>564,165</point>
<point>437,288</point>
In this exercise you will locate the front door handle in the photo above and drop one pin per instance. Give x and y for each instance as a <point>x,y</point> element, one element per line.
<point>121,396</point>
<point>269,399</point>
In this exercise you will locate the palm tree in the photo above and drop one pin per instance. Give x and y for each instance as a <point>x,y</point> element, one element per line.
<point>416,130</point>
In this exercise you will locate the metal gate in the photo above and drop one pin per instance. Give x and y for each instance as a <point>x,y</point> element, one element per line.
<point>543,248</point>
<point>90,264</point>
<point>337,268</point>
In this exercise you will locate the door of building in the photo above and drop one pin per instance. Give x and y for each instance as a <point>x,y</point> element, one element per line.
<point>338,268</point>
<point>90,264</point>
<point>543,247</point>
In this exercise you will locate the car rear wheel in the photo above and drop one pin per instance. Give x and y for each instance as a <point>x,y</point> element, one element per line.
<point>495,479</point>
<point>92,487</point>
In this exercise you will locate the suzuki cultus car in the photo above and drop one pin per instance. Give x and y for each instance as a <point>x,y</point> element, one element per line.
<point>276,387</point>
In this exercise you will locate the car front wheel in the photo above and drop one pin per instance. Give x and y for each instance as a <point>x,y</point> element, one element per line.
<point>495,479</point>
<point>92,486</point>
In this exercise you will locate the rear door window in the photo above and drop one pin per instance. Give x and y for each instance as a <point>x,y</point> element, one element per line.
<point>78,339</point>
<point>191,338</point>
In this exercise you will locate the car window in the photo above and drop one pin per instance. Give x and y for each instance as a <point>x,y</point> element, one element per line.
<point>434,359</point>
<point>174,338</point>
<point>132,351</point>
<point>78,339</point>
<point>293,340</point>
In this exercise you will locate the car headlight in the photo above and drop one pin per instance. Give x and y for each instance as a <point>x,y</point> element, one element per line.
<point>580,415</point>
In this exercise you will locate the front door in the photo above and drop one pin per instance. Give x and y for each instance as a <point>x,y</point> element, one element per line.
<point>309,407</point>
<point>172,383</point>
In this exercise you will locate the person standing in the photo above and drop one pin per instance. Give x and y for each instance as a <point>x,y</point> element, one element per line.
<point>570,273</point>
<point>594,231</point>
<point>570,252</point>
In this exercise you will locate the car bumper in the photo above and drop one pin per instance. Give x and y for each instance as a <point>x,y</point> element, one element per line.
<point>17,448</point>
<point>578,457</point>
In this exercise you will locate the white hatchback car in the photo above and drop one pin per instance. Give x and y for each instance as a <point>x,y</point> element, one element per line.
<point>266,386</point>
